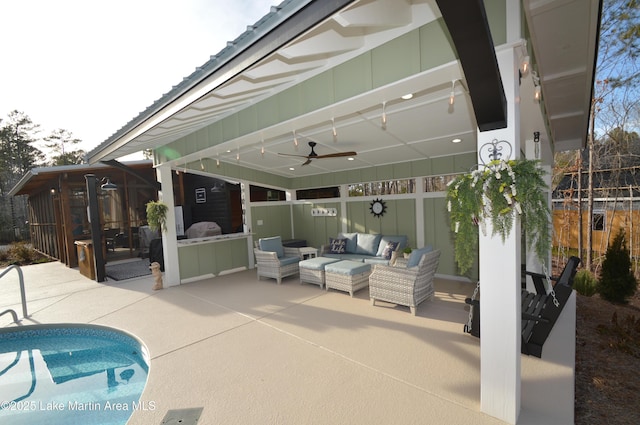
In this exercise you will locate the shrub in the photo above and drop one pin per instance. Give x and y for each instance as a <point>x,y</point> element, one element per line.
<point>21,253</point>
<point>585,283</point>
<point>617,282</point>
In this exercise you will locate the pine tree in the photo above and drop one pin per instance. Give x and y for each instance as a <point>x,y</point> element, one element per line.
<point>60,141</point>
<point>617,281</point>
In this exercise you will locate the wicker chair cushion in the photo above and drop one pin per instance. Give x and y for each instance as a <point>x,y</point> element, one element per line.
<point>273,244</point>
<point>348,268</point>
<point>285,261</point>
<point>416,255</point>
<point>367,243</point>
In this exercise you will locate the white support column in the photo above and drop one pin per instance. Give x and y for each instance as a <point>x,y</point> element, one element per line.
<point>245,196</point>
<point>344,195</point>
<point>169,238</point>
<point>500,299</point>
<point>419,242</point>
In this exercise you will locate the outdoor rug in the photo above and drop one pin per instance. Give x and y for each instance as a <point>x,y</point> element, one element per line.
<point>128,270</point>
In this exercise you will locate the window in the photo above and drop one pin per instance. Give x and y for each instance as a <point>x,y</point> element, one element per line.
<point>384,187</point>
<point>318,193</point>
<point>599,219</point>
<point>438,183</point>
<point>259,194</point>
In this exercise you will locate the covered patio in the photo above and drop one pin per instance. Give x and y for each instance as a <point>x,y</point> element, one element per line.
<point>393,94</point>
<point>243,351</point>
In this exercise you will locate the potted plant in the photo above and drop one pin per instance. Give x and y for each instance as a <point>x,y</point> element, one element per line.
<point>406,252</point>
<point>496,193</point>
<point>157,215</point>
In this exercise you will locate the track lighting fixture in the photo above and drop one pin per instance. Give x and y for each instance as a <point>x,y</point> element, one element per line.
<point>537,92</point>
<point>384,116</point>
<point>524,66</point>
<point>452,96</point>
<point>334,131</point>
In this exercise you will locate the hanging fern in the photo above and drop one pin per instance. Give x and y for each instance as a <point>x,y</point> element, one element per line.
<point>496,193</point>
<point>157,215</point>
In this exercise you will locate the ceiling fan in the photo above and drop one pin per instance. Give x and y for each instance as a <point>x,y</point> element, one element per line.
<point>314,155</point>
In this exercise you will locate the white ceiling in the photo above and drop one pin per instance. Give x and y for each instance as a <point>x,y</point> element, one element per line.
<point>563,37</point>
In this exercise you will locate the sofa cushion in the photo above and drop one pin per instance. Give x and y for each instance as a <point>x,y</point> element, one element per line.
<point>337,246</point>
<point>377,260</point>
<point>388,251</point>
<point>416,255</point>
<point>273,244</point>
<point>402,243</point>
<point>352,241</point>
<point>367,244</point>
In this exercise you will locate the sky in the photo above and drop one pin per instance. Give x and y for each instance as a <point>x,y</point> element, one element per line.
<point>90,67</point>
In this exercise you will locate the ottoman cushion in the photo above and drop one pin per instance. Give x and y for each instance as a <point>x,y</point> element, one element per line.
<point>347,268</point>
<point>317,263</point>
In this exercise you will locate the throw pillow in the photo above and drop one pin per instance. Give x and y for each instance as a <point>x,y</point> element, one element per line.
<point>337,246</point>
<point>388,250</point>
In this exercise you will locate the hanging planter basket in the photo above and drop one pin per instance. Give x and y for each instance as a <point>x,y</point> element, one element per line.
<point>157,215</point>
<point>495,194</point>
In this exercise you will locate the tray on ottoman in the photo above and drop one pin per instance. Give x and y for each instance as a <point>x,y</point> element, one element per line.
<point>347,275</point>
<point>312,270</point>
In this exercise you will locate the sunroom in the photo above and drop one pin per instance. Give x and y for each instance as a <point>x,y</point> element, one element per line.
<point>394,98</point>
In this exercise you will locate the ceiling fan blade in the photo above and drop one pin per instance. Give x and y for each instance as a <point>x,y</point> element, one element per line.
<point>336,155</point>
<point>291,154</point>
<point>308,161</point>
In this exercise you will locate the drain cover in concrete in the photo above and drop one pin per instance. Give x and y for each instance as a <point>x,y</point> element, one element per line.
<point>182,416</point>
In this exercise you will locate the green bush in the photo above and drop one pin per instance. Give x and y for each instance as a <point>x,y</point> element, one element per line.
<point>585,283</point>
<point>617,281</point>
<point>21,253</point>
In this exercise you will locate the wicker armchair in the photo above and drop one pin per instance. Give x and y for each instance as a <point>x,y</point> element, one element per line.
<point>276,261</point>
<point>402,285</point>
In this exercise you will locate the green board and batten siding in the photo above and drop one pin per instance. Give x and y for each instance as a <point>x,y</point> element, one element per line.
<point>275,219</point>
<point>212,258</point>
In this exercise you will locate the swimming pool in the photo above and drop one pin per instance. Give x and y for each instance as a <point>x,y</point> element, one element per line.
<point>64,374</point>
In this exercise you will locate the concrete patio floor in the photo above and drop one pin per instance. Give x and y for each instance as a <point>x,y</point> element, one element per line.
<point>253,352</point>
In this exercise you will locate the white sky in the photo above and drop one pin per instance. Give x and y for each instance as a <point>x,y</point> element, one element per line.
<point>90,67</point>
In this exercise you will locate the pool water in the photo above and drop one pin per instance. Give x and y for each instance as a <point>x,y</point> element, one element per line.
<point>70,374</point>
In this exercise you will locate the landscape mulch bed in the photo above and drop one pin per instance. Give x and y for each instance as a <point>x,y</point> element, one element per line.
<point>607,361</point>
